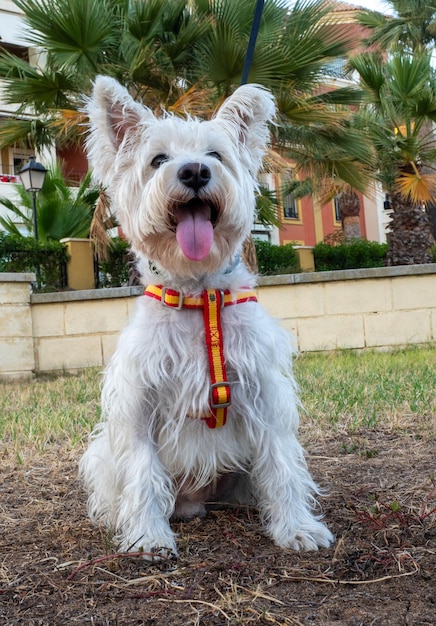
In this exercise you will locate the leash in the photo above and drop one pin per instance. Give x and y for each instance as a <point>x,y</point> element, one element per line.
<point>252,41</point>
<point>211,302</point>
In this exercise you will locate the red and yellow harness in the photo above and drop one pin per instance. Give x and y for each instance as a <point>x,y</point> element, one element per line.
<point>211,301</point>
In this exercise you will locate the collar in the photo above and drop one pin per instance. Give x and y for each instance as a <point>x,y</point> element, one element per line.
<point>211,301</point>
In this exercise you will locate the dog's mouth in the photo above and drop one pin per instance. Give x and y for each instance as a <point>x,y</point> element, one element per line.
<point>194,222</point>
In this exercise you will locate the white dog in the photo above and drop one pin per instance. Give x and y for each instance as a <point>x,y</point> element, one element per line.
<point>200,389</point>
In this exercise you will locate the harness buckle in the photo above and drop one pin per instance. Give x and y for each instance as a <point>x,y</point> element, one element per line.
<point>219,405</point>
<point>222,297</point>
<point>177,306</point>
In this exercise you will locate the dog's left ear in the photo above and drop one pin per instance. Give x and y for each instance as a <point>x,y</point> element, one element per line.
<point>245,116</point>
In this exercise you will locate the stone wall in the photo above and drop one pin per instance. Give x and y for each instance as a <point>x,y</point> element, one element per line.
<point>368,308</point>
<point>373,308</point>
<point>17,358</point>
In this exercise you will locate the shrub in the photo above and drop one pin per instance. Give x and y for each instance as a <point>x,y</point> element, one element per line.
<point>349,255</point>
<point>47,259</point>
<point>115,271</point>
<point>273,259</point>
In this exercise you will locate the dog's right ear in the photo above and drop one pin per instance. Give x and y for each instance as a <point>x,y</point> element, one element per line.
<point>113,118</point>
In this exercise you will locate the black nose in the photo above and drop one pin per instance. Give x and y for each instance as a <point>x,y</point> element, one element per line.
<point>194,175</point>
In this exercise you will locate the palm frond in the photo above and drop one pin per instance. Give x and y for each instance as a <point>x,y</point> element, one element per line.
<point>25,132</point>
<point>78,34</point>
<point>418,187</point>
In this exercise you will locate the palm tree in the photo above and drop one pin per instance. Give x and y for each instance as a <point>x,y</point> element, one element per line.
<point>61,211</point>
<point>412,25</point>
<point>188,55</point>
<point>400,107</point>
<point>148,46</point>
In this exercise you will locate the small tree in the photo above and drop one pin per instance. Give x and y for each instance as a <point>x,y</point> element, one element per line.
<point>400,109</point>
<point>62,211</point>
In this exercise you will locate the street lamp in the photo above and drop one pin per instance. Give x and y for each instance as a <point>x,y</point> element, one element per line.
<point>33,176</point>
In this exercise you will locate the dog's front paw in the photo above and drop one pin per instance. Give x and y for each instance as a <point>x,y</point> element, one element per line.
<point>313,536</point>
<point>159,554</point>
<point>151,548</point>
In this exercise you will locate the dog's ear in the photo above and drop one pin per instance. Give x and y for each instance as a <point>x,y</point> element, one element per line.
<point>113,117</point>
<point>245,116</point>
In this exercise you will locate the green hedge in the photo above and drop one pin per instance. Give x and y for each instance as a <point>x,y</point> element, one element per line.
<point>273,259</point>
<point>47,259</point>
<point>349,255</point>
<point>115,271</point>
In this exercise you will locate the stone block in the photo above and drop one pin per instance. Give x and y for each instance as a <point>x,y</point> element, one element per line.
<point>360,296</point>
<point>398,328</point>
<point>414,292</point>
<point>433,325</point>
<point>14,292</point>
<point>17,355</point>
<point>15,321</point>
<point>109,344</point>
<point>331,333</point>
<point>293,301</point>
<point>95,316</point>
<point>59,353</point>
<point>48,319</point>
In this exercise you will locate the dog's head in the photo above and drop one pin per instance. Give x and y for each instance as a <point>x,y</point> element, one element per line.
<point>183,189</point>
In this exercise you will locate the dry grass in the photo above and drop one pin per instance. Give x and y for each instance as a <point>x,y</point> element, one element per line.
<point>369,431</point>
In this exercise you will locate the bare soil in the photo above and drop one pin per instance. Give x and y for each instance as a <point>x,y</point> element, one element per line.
<point>56,568</point>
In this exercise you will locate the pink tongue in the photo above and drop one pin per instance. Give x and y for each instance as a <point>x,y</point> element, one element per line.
<point>194,231</point>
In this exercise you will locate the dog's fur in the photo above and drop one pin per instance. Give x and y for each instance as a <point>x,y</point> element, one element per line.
<point>151,458</point>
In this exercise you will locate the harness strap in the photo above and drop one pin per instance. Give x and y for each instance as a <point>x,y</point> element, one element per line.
<point>174,299</point>
<point>211,302</point>
<point>220,397</point>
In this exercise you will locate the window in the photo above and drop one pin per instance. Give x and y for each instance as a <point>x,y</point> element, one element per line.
<point>20,158</point>
<point>290,209</point>
<point>338,215</point>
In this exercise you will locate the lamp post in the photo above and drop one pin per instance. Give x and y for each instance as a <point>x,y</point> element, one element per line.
<point>33,176</point>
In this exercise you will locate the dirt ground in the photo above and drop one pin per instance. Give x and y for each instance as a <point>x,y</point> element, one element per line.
<point>381,505</point>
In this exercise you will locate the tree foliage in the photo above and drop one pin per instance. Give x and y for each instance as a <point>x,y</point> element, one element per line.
<point>62,211</point>
<point>188,55</point>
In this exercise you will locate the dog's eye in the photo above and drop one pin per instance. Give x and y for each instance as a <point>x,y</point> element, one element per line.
<point>158,160</point>
<point>215,155</point>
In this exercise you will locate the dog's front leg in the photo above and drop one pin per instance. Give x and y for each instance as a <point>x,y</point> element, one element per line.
<point>285,491</point>
<point>141,491</point>
<point>146,504</point>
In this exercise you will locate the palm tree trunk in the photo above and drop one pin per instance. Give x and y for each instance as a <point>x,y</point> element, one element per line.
<point>249,255</point>
<point>351,227</point>
<point>349,206</point>
<point>410,236</point>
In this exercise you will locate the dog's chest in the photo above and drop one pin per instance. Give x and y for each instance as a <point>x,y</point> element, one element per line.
<point>177,363</point>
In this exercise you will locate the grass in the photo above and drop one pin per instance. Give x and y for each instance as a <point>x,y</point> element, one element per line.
<point>48,410</point>
<point>350,390</point>
<point>341,392</point>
